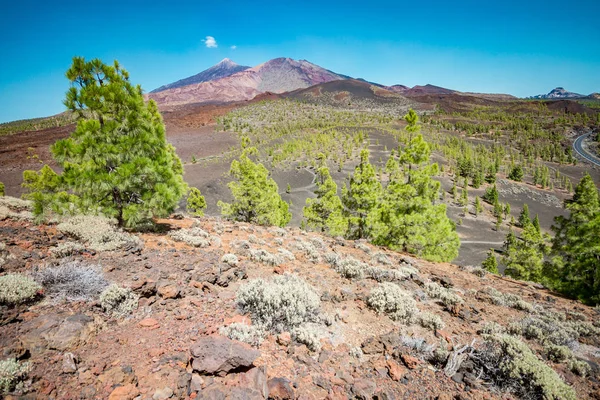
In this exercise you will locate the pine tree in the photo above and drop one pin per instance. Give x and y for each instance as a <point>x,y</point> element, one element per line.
<point>506,210</point>
<point>406,218</point>
<point>412,119</point>
<point>256,196</point>
<point>325,212</point>
<point>510,240</point>
<point>516,173</point>
<point>117,161</point>
<point>536,223</point>
<point>491,195</point>
<point>490,264</point>
<point>360,197</point>
<point>524,259</point>
<point>478,206</point>
<point>464,198</point>
<point>575,265</point>
<point>524,218</point>
<point>196,203</point>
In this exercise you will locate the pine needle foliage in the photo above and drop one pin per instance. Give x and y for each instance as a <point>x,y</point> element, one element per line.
<point>360,197</point>
<point>255,193</point>
<point>196,202</point>
<point>406,218</point>
<point>575,265</point>
<point>117,162</point>
<point>325,212</point>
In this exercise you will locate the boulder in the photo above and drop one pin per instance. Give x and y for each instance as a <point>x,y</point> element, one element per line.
<point>280,389</point>
<point>217,355</point>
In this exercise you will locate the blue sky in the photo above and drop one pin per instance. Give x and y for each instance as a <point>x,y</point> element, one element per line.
<point>521,47</point>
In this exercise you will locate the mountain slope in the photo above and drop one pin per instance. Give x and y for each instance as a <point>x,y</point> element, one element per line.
<point>277,76</point>
<point>558,93</point>
<point>419,90</point>
<point>221,70</point>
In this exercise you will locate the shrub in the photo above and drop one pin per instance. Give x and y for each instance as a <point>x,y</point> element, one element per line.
<point>508,300</point>
<point>511,365</point>
<point>288,255</point>
<point>579,367</point>
<point>2,189</point>
<point>4,255</point>
<point>12,373</point>
<point>196,237</point>
<point>446,296</point>
<point>13,208</point>
<point>281,303</point>
<point>309,250</point>
<point>557,353</point>
<point>381,258</point>
<point>389,299</point>
<point>387,275</point>
<point>417,345</point>
<point>118,301</point>
<point>362,246</point>
<point>308,335</point>
<point>98,233</point>
<point>72,281</point>
<point>17,289</point>
<point>491,328</point>
<point>67,249</point>
<point>230,259</point>
<point>265,257</point>
<point>545,328</point>
<point>351,268</point>
<point>431,321</point>
<point>244,333</point>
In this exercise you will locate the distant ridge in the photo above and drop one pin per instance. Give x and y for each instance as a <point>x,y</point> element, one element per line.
<point>223,69</point>
<point>558,93</point>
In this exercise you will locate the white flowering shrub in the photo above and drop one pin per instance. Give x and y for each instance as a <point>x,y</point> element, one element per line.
<point>446,296</point>
<point>389,299</point>
<point>118,301</point>
<point>67,249</point>
<point>98,233</point>
<point>12,373</point>
<point>281,303</point>
<point>230,259</point>
<point>250,334</point>
<point>195,237</point>
<point>265,257</point>
<point>17,289</point>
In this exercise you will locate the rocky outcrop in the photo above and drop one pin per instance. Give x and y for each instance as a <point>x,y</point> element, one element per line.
<point>216,355</point>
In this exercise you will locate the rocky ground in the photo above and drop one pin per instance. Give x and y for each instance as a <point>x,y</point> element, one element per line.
<point>171,345</point>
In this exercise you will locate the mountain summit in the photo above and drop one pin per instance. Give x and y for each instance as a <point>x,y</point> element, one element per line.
<point>278,75</point>
<point>223,69</point>
<point>558,93</point>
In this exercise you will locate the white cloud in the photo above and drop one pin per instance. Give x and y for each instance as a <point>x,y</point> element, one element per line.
<point>210,42</point>
<point>233,47</point>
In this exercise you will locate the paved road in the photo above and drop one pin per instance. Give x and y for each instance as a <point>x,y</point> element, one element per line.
<point>577,145</point>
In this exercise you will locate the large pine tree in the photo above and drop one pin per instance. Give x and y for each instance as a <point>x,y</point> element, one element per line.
<point>406,218</point>
<point>575,265</point>
<point>360,197</point>
<point>117,162</point>
<point>524,256</point>
<point>325,212</point>
<point>256,196</point>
